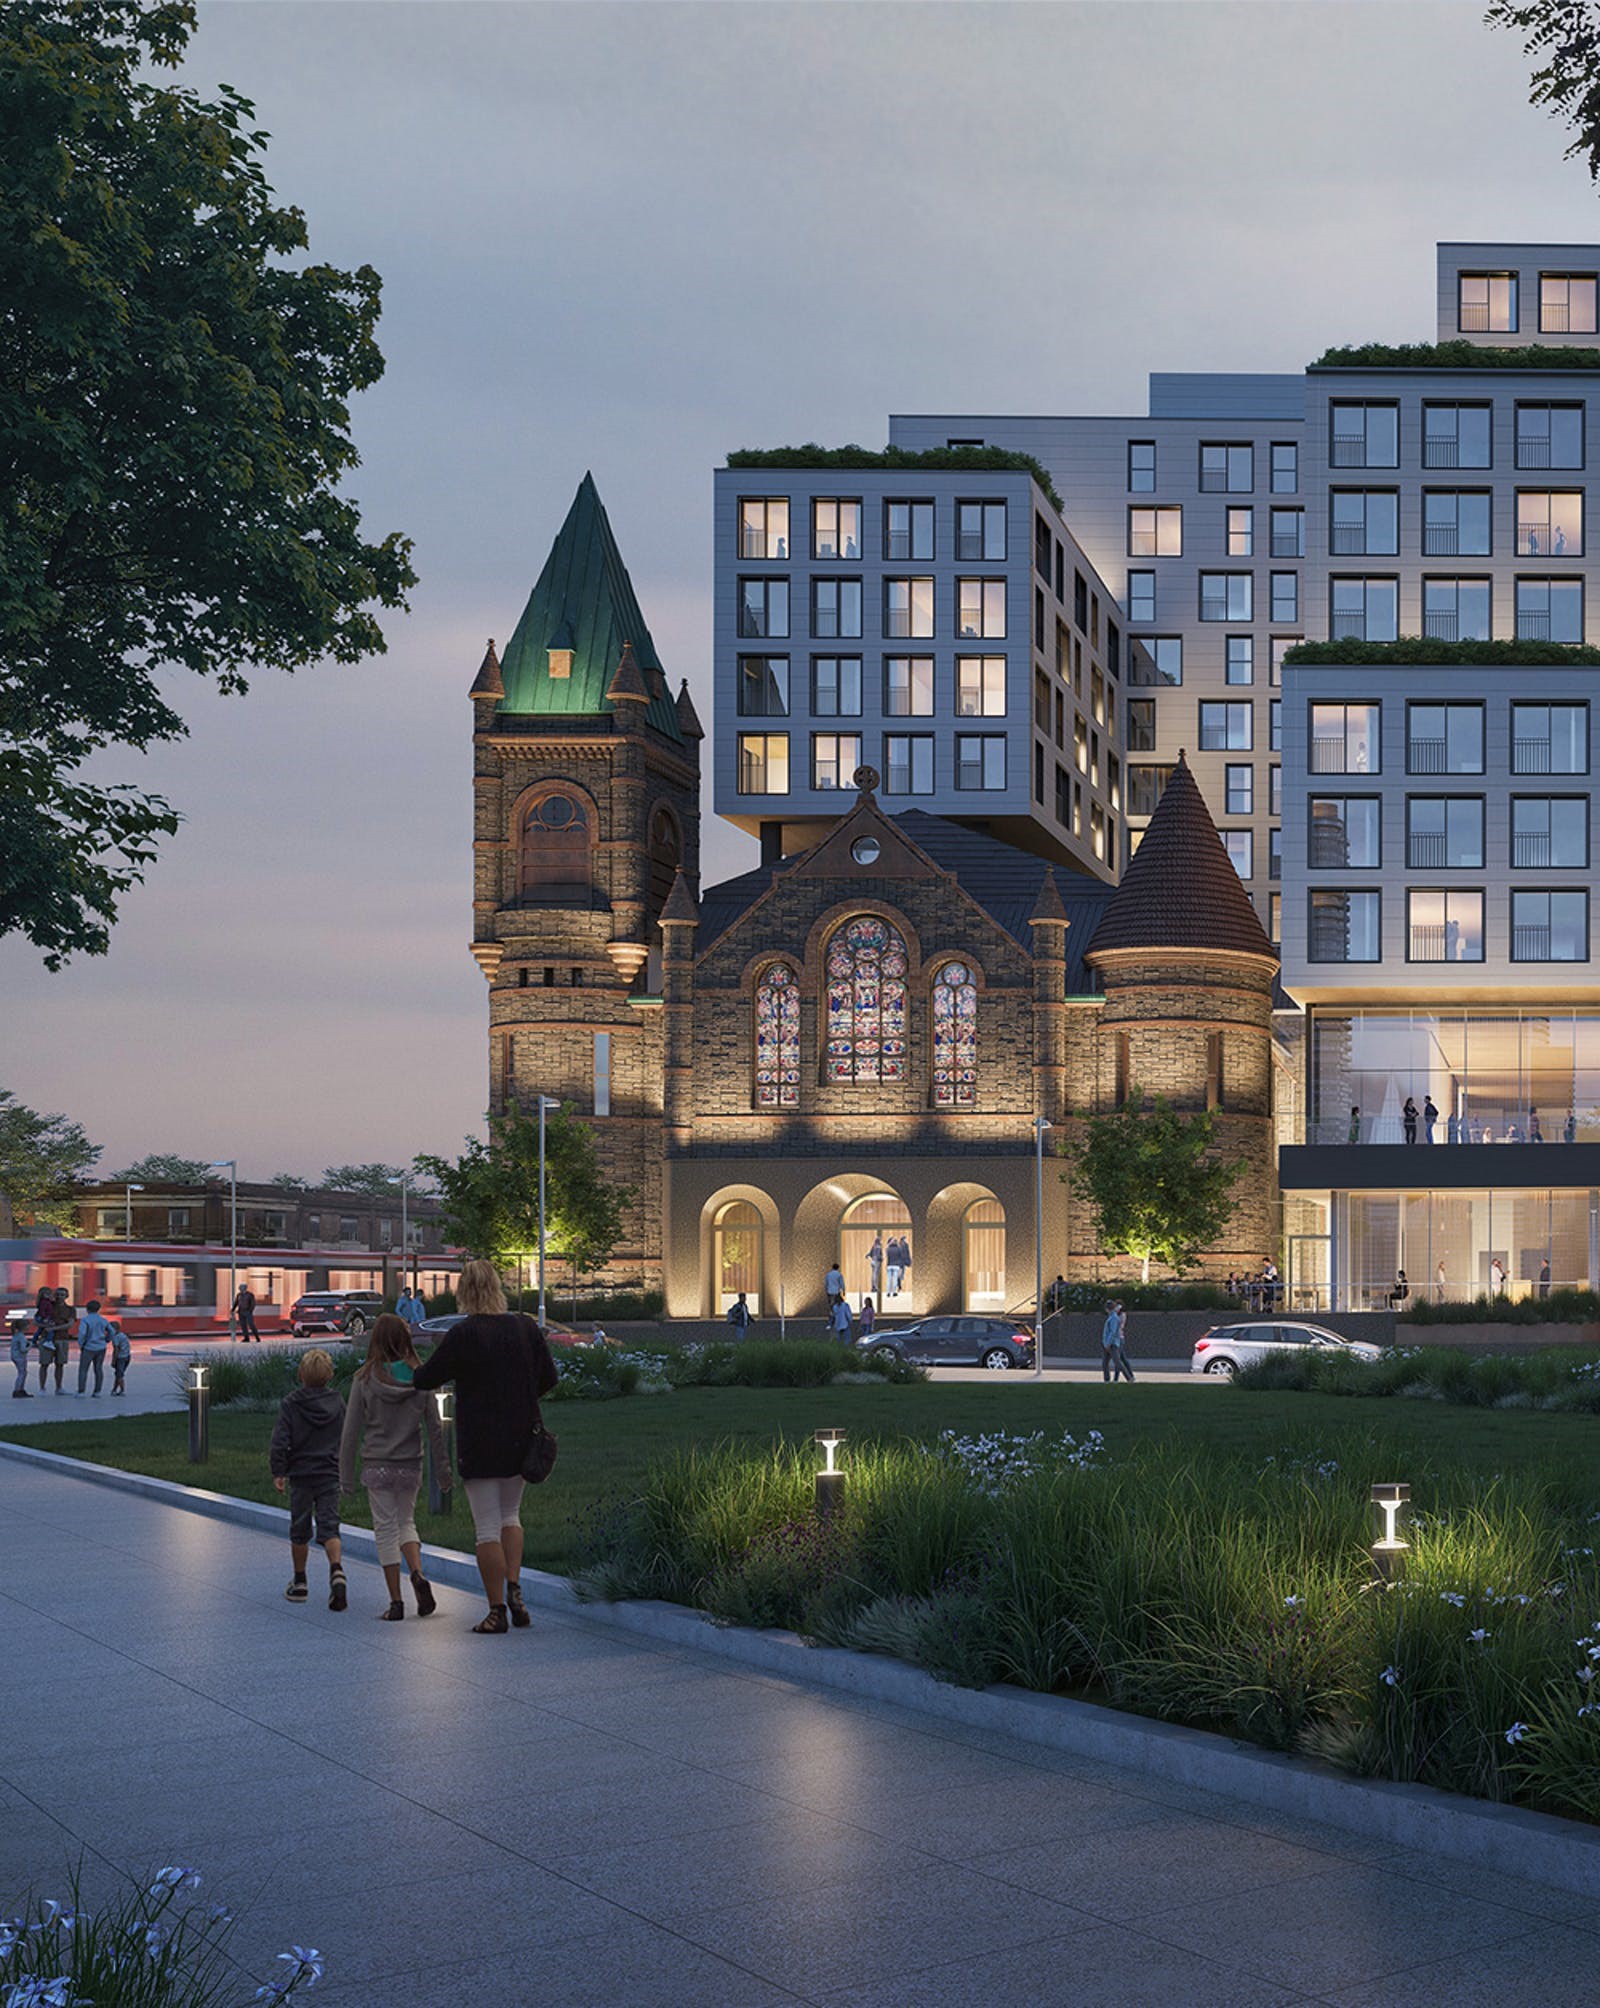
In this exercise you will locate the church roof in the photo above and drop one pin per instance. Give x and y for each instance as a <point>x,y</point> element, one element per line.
<point>584,601</point>
<point>1180,889</point>
<point>1004,881</point>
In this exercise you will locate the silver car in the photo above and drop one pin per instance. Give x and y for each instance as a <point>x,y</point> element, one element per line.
<point>1226,1348</point>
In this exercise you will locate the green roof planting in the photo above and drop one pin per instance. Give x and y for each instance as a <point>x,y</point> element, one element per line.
<point>936,459</point>
<point>1454,356</point>
<point>1420,650</point>
<point>584,602</point>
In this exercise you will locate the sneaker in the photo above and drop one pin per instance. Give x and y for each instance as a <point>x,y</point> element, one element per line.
<point>20,1394</point>
<point>338,1591</point>
<point>297,1593</point>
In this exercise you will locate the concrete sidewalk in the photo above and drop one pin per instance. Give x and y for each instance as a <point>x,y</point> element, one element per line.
<point>566,1816</point>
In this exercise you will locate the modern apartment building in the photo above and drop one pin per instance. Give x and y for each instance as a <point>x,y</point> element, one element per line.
<point>1390,492</point>
<point>941,626</point>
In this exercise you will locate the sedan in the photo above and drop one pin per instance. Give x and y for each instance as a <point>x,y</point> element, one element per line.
<point>1226,1348</point>
<point>997,1343</point>
<point>434,1329</point>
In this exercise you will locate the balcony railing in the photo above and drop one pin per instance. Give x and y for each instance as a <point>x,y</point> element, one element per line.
<point>1348,449</point>
<point>1530,944</point>
<point>1534,453</point>
<point>1347,540</point>
<point>1427,944</point>
<point>1531,756</point>
<point>1442,627</point>
<point>1330,755</point>
<point>1555,318</point>
<point>1426,756</point>
<point>1441,449</point>
<point>1441,540</point>
<point>1426,850</point>
<point>1348,627</point>
<point>1547,540</point>
<point>1532,627</point>
<point>1531,848</point>
<point>1288,544</point>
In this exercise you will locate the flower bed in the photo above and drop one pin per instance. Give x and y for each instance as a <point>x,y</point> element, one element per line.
<point>1219,1591</point>
<point>1565,1379</point>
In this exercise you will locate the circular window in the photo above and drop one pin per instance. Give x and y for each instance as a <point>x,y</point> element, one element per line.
<point>556,812</point>
<point>865,850</point>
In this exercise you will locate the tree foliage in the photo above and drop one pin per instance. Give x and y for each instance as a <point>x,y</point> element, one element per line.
<point>376,1181</point>
<point>1148,1174</point>
<point>289,1181</point>
<point>1454,356</point>
<point>174,428</point>
<point>1562,38</point>
<point>162,1167</point>
<point>41,1158</point>
<point>490,1193</point>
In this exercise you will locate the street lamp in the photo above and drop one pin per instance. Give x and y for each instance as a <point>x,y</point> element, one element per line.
<point>127,1208</point>
<point>545,1102</point>
<point>231,1166</point>
<point>1040,1125</point>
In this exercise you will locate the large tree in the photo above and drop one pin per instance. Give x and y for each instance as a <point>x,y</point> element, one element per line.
<point>165,1167</point>
<point>376,1181</point>
<point>490,1193</point>
<point>1153,1182</point>
<point>174,428</point>
<point>41,1158</point>
<point>1563,39</point>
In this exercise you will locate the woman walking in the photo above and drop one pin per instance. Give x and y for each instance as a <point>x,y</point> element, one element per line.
<point>501,1366</point>
<point>384,1422</point>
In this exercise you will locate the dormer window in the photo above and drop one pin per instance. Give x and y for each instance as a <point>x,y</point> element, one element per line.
<point>561,662</point>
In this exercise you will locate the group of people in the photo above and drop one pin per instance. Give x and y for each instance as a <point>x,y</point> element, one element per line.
<point>1260,1293</point>
<point>887,1264</point>
<point>50,1333</point>
<point>1464,1128</point>
<point>500,1366</point>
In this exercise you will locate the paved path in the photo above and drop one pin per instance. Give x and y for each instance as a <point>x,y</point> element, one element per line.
<point>569,1817</point>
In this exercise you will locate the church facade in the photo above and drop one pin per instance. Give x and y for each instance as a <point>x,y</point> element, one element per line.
<point>844,1054</point>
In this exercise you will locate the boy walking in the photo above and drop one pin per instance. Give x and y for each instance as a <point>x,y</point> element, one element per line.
<point>121,1354</point>
<point>305,1458</point>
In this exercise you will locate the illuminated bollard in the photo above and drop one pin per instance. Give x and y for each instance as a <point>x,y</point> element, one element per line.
<point>199,1414</point>
<point>830,1482</point>
<point>1389,1551</point>
<point>441,1483</point>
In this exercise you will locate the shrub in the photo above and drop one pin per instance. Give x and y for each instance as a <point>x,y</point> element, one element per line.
<point>1557,1377</point>
<point>945,458</point>
<point>1455,355</point>
<point>262,1379</point>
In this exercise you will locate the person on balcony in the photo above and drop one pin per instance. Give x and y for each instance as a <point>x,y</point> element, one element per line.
<point>1408,1120</point>
<point>1430,1115</point>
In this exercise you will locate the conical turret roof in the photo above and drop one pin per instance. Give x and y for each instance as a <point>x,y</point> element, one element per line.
<point>1180,889</point>
<point>584,605</point>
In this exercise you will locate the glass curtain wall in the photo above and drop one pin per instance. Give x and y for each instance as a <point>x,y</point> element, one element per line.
<point>1516,1077</point>
<point>1456,1246</point>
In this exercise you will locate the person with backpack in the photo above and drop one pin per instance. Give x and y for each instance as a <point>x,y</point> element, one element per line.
<point>739,1314</point>
<point>304,1460</point>
<point>384,1423</point>
<point>501,1366</point>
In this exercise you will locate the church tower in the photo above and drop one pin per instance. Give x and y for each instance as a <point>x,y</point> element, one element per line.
<point>586,788</point>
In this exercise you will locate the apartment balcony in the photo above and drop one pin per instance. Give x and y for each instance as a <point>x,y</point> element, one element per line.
<point>1531,944</point>
<point>1534,453</point>
<point>1441,540</point>
<point>1426,944</point>
<point>1531,756</point>
<point>1426,756</point>
<point>1427,851</point>
<point>1531,849</point>
<point>1348,540</point>
<point>1330,756</point>
<point>1348,449</point>
<point>1442,627</point>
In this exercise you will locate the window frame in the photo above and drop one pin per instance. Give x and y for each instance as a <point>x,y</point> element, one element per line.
<point>1141,603</point>
<point>1233,708</point>
<point>1243,613</point>
<point>916,743</point>
<point>1487,325</point>
<point>991,592</point>
<point>1368,895</point>
<point>990,667</point>
<point>1548,893</point>
<point>1447,705</point>
<point>1137,486</point>
<point>1579,704</point>
<point>1447,894</point>
<point>745,740</point>
<point>985,505</point>
<point>1551,863</point>
<point>1344,705</point>
<point>1567,587</point>
<point>1549,407</point>
<point>1446,803</point>
<point>1227,485</point>
<point>987,743</point>
<point>819,708</point>
<point>844,770</point>
<point>777,672</point>
<point>838,556</point>
<point>911,582</point>
<point>1434,444</point>
<point>1366,406</point>
<point>1366,548</point>
<point>912,662</point>
<point>842,587</point>
<point>1163,517</point>
<point>767,555</point>
<point>1344,802</point>
<point>769,585</point>
<point>915,525</point>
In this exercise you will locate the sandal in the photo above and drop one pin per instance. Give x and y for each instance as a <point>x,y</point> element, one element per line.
<point>338,1591</point>
<point>495,1621</point>
<point>427,1602</point>
<point>520,1616</point>
<point>394,1613</point>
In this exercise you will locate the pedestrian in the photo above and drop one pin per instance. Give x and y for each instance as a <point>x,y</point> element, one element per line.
<point>384,1424</point>
<point>1430,1115</point>
<point>895,1265</point>
<point>410,1307</point>
<point>1535,1133</point>
<point>1269,1284</point>
<point>1544,1277</point>
<point>1113,1343</point>
<point>840,1323</point>
<point>244,1309</point>
<point>1497,1277</point>
<point>869,1316</point>
<point>739,1314</point>
<point>21,1339</point>
<point>501,1366</point>
<point>304,1457</point>
<point>833,1283</point>
<point>905,1260</point>
<point>62,1319</point>
<point>94,1336</point>
<point>121,1355</point>
<point>875,1265</point>
<point>1439,1284</point>
<point>44,1325</point>
<point>1569,1129</point>
<point>1058,1294</point>
<point>1408,1120</point>
<point>1354,1135</point>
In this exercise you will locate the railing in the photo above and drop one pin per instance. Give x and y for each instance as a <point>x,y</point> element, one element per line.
<point>1532,627</point>
<point>1530,944</point>
<point>1477,321</point>
<point>1440,449</point>
<point>1427,944</point>
<point>1441,540</point>
<point>1544,540</point>
<point>1555,318</point>
<point>1216,610</point>
<point>1348,449</point>
<point>1531,847</point>
<point>1348,627</point>
<point>1426,756</point>
<point>1330,756</point>
<point>1426,850</point>
<point>1288,544</point>
<point>1534,453</point>
<point>1442,627</point>
<point>1531,756</point>
<point>1347,540</point>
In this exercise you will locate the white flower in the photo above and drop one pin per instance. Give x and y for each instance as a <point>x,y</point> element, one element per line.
<point>1391,1676</point>
<point>58,1914</point>
<point>154,1940</point>
<point>1452,1597</point>
<point>1293,1603</point>
<point>1516,1732</point>
<point>1479,1635</point>
<point>1586,1673</point>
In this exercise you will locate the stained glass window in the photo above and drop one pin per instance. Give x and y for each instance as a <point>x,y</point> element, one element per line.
<point>866,970</point>
<point>955,1037</point>
<point>778,1039</point>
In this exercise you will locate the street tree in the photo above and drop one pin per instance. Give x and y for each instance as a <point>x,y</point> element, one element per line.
<point>174,432</point>
<point>376,1181</point>
<point>490,1193</point>
<point>289,1181</point>
<point>1562,38</point>
<point>41,1158</point>
<point>1151,1177</point>
<point>163,1167</point>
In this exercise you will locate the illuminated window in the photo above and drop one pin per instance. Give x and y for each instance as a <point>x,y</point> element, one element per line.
<point>980,608</point>
<point>981,686</point>
<point>955,1037</point>
<point>763,763</point>
<point>908,608</point>
<point>764,527</point>
<point>835,528</point>
<point>835,756</point>
<point>778,1038</point>
<point>1488,303</point>
<point>866,965</point>
<point>1566,303</point>
<point>1153,533</point>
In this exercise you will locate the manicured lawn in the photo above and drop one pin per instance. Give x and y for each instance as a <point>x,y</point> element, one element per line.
<point>605,1446</point>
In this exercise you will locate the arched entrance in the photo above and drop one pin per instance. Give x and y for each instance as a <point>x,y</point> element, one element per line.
<point>875,1251</point>
<point>737,1251</point>
<point>983,1256</point>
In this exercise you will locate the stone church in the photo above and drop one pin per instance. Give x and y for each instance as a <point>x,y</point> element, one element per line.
<point>841,1056</point>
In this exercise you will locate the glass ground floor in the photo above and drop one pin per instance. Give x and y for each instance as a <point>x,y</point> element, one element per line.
<point>1356,1251</point>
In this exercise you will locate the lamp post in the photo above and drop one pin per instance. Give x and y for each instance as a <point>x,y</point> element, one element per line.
<point>231,1166</point>
<point>199,1413</point>
<point>1040,1125</point>
<point>830,1481</point>
<point>127,1209</point>
<point>545,1102</point>
<point>1389,1551</point>
<point>405,1239</point>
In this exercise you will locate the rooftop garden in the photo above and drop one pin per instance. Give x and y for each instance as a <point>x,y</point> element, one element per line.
<point>933,459</point>
<point>1419,649</point>
<point>1453,356</point>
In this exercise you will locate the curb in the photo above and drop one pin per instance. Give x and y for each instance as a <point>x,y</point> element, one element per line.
<point>1505,1840</point>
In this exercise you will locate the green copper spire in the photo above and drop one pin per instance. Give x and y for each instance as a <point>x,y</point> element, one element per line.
<point>563,658</point>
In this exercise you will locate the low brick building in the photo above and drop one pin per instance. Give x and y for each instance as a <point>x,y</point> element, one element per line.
<point>841,1055</point>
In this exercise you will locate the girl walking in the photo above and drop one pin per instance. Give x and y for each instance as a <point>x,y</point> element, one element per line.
<point>383,1423</point>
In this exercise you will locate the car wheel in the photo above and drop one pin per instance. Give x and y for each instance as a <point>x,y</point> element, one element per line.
<point>357,1325</point>
<point>997,1360</point>
<point>884,1353</point>
<point>1223,1369</point>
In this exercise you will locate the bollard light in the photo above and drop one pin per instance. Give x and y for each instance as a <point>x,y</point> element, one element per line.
<point>830,1480</point>
<point>1389,1551</point>
<point>199,1412</point>
<point>440,1483</point>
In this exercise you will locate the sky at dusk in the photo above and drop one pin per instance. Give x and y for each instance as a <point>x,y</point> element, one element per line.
<point>630,238</point>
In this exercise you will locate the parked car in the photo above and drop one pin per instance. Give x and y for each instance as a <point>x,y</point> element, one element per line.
<point>434,1329</point>
<point>1226,1348</point>
<point>968,1341</point>
<point>346,1311</point>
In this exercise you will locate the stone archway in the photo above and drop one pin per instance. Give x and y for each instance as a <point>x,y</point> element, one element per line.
<point>819,1228</point>
<point>966,1249</point>
<point>739,1250</point>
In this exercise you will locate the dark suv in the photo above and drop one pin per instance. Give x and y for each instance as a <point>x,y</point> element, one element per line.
<point>966,1340</point>
<point>346,1311</point>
